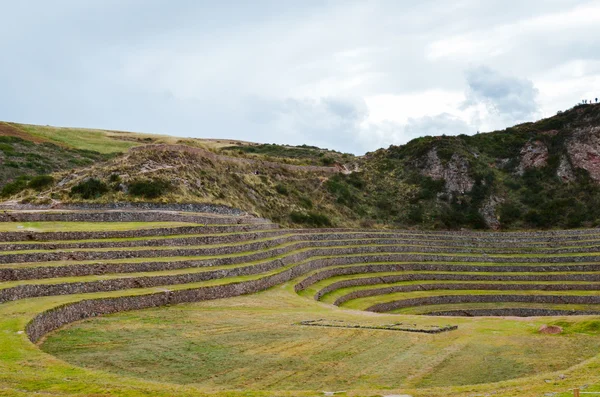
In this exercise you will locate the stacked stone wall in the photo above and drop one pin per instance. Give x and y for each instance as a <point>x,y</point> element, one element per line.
<point>134,233</point>
<point>467,286</point>
<point>453,299</point>
<point>365,281</point>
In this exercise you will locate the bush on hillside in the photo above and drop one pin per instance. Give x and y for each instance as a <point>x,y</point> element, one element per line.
<point>114,178</point>
<point>89,189</point>
<point>509,213</point>
<point>15,187</point>
<point>327,161</point>
<point>312,219</point>
<point>306,202</point>
<point>282,189</point>
<point>150,188</point>
<point>41,181</point>
<point>337,185</point>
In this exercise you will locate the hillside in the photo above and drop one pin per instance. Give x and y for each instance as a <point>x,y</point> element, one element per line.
<point>544,174</point>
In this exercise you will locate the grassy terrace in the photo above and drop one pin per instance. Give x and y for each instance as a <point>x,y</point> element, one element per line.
<point>409,238</point>
<point>250,345</point>
<point>364,303</point>
<point>83,226</point>
<point>450,284</point>
<point>375,242</point>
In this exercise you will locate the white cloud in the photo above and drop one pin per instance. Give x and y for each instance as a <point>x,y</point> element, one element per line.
<point>498,100</point>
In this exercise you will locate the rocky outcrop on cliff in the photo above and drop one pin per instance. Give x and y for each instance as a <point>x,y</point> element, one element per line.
<point>455,172</point>
<point>489,213</point>
<point>584,150</point>
<point>533,155</point>
<point>565,170</point>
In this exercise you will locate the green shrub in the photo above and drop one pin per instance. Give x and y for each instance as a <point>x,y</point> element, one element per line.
<point>10,139</point>
<point>41,181</point>
<point>114,178</point>
<point>89,189</point>
<point>327,161</point>
<point>14,187</point>
<point>306,202</point>
<point>338,187</point>
<point>282,189</point>
<point>6,148</point>
<point>430,187</point>
<point>415,214</point>
<point>509,213</point>
<point>311,219</point>
<point>150,188</point>
<point>355,179</point>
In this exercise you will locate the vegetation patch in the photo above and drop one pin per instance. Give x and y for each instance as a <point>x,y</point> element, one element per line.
<point>149,188</point>
<point>91,188</point>
<point>311,219</point>
<point>588,327</point>
<point>40,182</point>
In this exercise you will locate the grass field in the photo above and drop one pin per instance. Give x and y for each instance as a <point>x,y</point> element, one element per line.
<point>98,141</point>
<point>251,342</point>
<point>106,141</point>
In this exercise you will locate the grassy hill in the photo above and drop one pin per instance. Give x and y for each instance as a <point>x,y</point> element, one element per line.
<point>534,175</point>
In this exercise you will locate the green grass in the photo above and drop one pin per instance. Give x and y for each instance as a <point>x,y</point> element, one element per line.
<point>258,327</point>
<point>251,343</point>
<point>85,139</point>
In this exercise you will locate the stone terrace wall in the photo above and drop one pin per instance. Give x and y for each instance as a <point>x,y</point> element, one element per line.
<point>159,231</point>
<point>170,241</point>
<point>467,287</point>
<point>122,216</point>
<point>361,268</point>
<point>387,246</point>
<point>451,299</point>
<point>312,234</point>
<point>54,247</point>
<point>423,238</point>
<point>294,260</point>
<point>540,264</point>
<point>365,281</point>
<point>192,207</point>
<point>514,312</point>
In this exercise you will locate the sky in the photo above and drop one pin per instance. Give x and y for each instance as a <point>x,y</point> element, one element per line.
<point>347,75</point>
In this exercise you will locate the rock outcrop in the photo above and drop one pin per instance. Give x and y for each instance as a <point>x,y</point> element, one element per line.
<point>455,172</point>
<point>488,211</point>
<point>533,155</point>
<point>565,170</point>
<point>550,329</point>
<point>584,150</point>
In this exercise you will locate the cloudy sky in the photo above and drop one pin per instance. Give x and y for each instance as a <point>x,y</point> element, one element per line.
<point>349,75</point>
